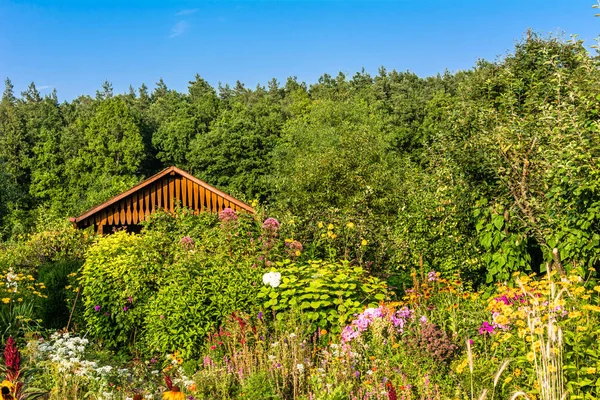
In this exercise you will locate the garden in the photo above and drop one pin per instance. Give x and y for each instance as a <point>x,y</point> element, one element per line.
<point>236,306</point>
<point>413,238</point>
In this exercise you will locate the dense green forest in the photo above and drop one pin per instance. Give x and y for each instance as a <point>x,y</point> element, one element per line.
<point>485,171</point>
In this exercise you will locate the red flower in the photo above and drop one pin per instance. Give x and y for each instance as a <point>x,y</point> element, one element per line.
<point>391,391</point>
<point>168,382</point>
<point>12,359</point>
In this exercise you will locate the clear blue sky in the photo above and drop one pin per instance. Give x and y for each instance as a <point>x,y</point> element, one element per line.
<point>75,45</point>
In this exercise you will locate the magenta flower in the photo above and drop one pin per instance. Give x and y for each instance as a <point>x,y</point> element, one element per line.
<point>486,328</point>
<point>271,225</point>
<point>97,308</point>
<point>227,215</point>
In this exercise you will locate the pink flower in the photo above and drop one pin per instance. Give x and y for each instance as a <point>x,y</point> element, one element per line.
<point>432,276</point>
<point>486,328</point>
<point>187,242</point>
<point>227,215</point>
<point>271,225</point>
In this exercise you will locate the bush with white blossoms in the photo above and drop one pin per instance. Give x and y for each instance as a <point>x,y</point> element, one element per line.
<point>66,354</point>
<point>272,279</point>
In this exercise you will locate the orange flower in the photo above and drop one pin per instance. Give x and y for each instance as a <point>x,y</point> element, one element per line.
<point>173,394</point>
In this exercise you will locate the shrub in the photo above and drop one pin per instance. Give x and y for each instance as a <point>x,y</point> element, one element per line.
<point>119,277</point>
<point>327,293</point>
<point>198,294</point>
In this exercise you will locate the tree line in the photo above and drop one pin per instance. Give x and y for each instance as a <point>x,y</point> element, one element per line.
<point>485,171</point>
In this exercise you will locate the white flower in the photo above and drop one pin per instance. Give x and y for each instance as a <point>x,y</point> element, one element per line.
<point>272,279</point>
<point>272,358</point>
<point>292,335</point>
<point>300,367</point>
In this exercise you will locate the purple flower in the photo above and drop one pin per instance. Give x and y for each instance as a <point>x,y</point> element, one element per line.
<point>227,215</point>
<point>97,308</point>
<point>271,225</point>
<point>432,276</point>
<point>357,374</point>
<point>486,328</point>
<point>107,313</point>
<point>187,242</point>
<point>208,362</point>
<point>260,315</point>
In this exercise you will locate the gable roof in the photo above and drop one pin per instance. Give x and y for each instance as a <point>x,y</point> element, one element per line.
<point>154,178</point>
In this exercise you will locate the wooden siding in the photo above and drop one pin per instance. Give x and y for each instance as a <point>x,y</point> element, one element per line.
<point>162,191</point>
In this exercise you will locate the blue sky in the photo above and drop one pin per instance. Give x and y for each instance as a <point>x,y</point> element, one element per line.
<point>74,46</point>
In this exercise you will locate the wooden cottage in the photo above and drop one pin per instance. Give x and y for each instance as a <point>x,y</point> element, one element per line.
<point>164,190</point>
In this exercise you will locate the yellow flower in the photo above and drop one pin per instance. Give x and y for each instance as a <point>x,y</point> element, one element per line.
<point>6,300</point>
<point>517,372</point>
<point>350,225</point>
<point>330,227</point>
<point>320,224</point>
<point>591,308</point>
<point>298,253</point>
<point>173,394</point>
<point>8,385</point>
<point>530,356</point>
<point>590,370</point>
<point>364,242</point>
<point>461,367</point>
<point>574,314</point>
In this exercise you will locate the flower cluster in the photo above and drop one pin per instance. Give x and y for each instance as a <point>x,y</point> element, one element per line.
<point>272,279</point>
<point>227,215</point>
<point>361,323</point>
<point>271,225</point>
<point>293,248</point>
<point>432,276</point>
<point>18,286</point>
<point>68,353</point>
<point>430,339</point>
<point>187,242</point>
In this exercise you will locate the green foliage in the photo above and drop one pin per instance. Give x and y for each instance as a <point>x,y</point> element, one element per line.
<point>327,294</point>
<point>406,159</point>
<point>196,296</point>
<point>235,153</point>
<point>118,275</point>
<point>506,252</point>
<point>54,310</point>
